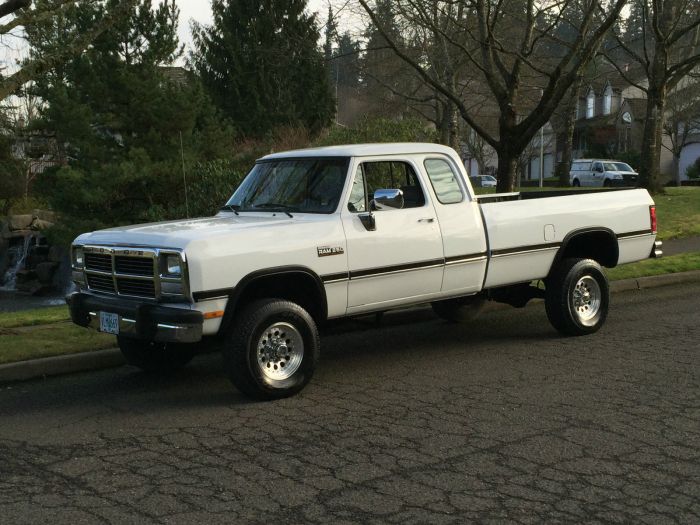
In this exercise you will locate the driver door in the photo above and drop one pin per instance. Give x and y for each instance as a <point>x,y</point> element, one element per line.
<point>403,257</point>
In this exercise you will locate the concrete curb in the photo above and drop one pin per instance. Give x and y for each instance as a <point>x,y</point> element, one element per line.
<point>67,364</point>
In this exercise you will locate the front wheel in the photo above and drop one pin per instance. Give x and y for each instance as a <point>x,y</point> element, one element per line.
<point>577,297</point>
<point>576,183</point>
<point>272,349</point>
<point>151,356</point>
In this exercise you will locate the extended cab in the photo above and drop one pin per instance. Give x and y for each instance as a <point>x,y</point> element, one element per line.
<point>318,234</point>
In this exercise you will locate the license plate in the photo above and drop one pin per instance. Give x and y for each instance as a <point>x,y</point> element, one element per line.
<point>109,323</point>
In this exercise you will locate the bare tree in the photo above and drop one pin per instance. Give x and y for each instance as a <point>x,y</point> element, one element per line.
<point>525,54</point>
<point>665,43</point>
<point>26,13</point>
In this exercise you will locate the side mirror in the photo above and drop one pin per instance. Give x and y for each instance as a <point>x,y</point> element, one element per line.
<point>599,169</point>
<point>388,199</point>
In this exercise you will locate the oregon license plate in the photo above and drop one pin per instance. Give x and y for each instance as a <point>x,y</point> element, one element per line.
<point>109,323</point>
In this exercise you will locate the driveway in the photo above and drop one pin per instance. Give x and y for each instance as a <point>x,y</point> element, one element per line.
<point>418,421</point>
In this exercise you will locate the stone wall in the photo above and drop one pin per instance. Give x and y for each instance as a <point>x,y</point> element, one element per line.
<point>27,263</point>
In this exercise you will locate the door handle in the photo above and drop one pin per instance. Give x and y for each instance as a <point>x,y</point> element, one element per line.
<point>427,219</point>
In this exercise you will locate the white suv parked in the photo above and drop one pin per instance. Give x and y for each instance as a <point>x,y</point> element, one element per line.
<point>599,172</point>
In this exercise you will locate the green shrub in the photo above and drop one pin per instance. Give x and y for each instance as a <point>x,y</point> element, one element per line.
<point>693,171</point>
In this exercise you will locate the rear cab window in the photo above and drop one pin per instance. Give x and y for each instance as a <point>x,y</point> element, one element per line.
<point>444,181</point>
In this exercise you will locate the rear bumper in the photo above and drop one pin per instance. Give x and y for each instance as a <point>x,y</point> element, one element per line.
<point>656,252</point>
<point>138,320</point>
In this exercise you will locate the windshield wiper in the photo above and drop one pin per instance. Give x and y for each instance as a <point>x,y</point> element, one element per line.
<point>231,207</point>
<point>277,205</point>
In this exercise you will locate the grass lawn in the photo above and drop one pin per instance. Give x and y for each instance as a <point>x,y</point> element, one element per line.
<point>677,210</point>
<point>58,338</point>
<point>48,315</point>
<point>684,262</point>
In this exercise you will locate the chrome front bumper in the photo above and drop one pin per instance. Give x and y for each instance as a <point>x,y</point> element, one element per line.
<point>146,321</point>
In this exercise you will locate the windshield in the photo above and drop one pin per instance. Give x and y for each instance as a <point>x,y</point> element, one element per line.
<point>617,166</point>
<point>312,185</point>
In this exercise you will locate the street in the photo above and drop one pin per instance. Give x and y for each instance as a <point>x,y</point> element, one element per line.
<point>418,421</point>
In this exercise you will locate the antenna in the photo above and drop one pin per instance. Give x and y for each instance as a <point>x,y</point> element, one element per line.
<point>184,177</point>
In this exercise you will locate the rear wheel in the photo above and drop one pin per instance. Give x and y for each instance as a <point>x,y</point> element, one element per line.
<point>459,310</point>
<point>151,356</point>
<point>272,349</point>
<point>577,297</point>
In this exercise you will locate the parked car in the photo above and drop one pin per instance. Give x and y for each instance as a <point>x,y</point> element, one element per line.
<point>483,181</point>
<point>600,172</point>
<point>319,234</point>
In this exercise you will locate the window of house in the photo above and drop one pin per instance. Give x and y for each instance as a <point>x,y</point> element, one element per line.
<point>607,100</point>
<point>590,105</point>
<point>373,176</point>
<point>444,181</point>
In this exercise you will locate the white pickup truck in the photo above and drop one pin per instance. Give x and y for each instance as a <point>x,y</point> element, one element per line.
<point>318,234</point>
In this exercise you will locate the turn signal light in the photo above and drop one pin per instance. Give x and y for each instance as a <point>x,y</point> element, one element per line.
<point>652,218</point>
<point>214,315</point>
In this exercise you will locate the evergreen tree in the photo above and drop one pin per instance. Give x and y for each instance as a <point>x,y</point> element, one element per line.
<point>120,115</point>
<point>261,64</point>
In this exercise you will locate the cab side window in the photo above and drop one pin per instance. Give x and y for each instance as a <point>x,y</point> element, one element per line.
<point>383,175</point>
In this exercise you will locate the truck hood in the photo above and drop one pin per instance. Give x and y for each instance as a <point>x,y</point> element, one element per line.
<point>178,234</point>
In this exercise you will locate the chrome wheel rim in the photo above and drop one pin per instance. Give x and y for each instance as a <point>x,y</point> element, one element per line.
<point>280,351</point>
<point>586,300</point>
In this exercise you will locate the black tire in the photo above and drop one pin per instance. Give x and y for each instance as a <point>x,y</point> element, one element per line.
<point>607,183</point>
<point>570,312</point>
<point>154,357</point>
<point>255,361</point>
<point>576,183</point>
<point>459,310</point>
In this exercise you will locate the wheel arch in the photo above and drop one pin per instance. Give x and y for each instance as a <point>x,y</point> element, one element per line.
<point>599,244</point>
<point>298,284</point>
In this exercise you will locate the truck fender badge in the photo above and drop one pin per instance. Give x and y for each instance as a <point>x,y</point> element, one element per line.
<point>326,251</point>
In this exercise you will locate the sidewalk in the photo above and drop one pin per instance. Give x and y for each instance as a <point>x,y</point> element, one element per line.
<point>685,245</point>
<point>71,363</point>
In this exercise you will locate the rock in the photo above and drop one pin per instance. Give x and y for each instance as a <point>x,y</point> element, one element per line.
<point>38,225</point>
<point>20,222</point>
<point>45,215</point>
<point>45,271</point>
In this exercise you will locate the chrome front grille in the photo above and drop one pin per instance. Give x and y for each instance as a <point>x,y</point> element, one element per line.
<point>99,262</point>
<point>136,287</point>
<point>133,266</point>
<point>100,283</point>
<point>130,272</point>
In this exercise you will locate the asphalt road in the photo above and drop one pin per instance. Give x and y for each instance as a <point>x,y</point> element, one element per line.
<point>417,422</point>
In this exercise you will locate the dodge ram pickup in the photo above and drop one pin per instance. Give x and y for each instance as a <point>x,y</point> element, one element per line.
<point>319,234</point>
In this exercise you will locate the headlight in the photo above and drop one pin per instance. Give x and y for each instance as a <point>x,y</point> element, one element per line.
<point>78,257</point>
<point>617,176</point>
<point>172,265</point>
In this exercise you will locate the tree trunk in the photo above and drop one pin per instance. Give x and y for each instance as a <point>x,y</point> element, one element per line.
<point>677,168</point>
<point>509,148</point>
<point>567,153</point>
<point>649,176</point>
<point>507,170</point>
